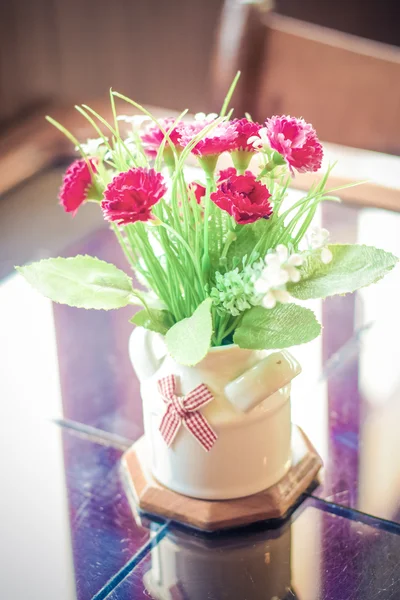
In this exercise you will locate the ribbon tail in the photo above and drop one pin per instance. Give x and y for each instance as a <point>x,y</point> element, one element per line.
<point>199,427</point>
<point>169,426</point>
<point>166,387</point>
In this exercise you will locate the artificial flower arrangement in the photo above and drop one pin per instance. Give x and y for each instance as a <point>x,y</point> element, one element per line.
<point>223,260</point>
<point>220,260</point>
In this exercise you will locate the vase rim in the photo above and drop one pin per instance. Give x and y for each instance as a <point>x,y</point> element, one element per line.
<point>226,347</point>
<point>229,349</point>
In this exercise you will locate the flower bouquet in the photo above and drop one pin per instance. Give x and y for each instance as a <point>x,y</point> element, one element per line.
<point>222,262</point>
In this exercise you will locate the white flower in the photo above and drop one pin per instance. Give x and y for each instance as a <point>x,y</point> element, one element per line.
<point>317,239</point>
<point>135,120</point>
<point>260,141</point>
<point>283,266</point>
<point>273,296</point>
<point>91,146</point>
<point>326,256</point>
<point>130,144</point>
<point>271,277</point>
<point>280,269</point>
<point>203,117</point>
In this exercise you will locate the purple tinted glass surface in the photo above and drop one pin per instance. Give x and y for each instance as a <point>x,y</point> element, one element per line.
<point>316,556</point>
<point>359,384</point>
<point>99,387</point>
<point>104,534</point>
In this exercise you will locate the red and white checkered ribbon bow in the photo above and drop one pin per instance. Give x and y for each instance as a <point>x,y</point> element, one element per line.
<point>185,409</point>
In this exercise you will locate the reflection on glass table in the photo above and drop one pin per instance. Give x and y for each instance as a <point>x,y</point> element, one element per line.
<point>317,555</point>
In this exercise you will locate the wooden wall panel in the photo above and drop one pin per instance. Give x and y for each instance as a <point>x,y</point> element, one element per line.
<point>372,19</point>
<point>74,50</point>
<point>28,56</point>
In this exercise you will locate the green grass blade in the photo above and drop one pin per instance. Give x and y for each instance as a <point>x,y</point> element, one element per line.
<point>229,95</point>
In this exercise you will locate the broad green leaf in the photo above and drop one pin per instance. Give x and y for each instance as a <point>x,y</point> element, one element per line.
<point>82,281</point>
<point>155,320</point>
<point>352,267</point>
<point>284,326</point>
<point>189,340</point>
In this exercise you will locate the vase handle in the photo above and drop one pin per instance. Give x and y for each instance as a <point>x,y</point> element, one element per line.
<point>272,373</point>
<point>146,350</point>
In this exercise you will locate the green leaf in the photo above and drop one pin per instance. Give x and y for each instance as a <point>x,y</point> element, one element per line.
<point>82,281</point>
<point>159,321</point>
<point>189,340</point>
<point>352,267</point>
<point>248,237</point>
<point>284,326</point>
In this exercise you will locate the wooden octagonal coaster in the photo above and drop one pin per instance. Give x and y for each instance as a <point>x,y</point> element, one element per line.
<point>211,515</point>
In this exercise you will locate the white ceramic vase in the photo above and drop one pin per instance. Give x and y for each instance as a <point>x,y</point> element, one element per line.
<point>250,413</point>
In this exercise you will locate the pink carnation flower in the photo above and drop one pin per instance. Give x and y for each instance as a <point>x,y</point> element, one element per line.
<point>245,130</point>
<point>244,198</point>
<point>218,140</point>
<point>297,141</point>
<point>76,183</point>
<point>153,137</point>
<point>131,195</point>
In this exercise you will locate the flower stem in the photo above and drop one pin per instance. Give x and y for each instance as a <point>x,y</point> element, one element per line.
<point>207,208</point>
<point>269,167</point>
<point>225,329</point>
<point>187,247</point>
<point>123,245</point>
<point>231,237</point>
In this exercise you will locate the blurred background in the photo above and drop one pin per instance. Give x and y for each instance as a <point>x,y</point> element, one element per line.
<point>180,53</point>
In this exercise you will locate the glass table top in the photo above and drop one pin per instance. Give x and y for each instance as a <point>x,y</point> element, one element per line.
<point>70,405</point>
<point>317,555</point>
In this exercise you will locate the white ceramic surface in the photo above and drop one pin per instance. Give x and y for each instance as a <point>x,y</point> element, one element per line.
<point>252,451</point>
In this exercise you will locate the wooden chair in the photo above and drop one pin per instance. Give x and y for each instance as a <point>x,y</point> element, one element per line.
<point>348,87</point>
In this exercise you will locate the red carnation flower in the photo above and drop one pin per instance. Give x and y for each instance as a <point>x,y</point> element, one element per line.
<point>198,190</point>
<point>76,183</point>
<point>218,140</point>
<point>244,198</point>
<point>130,195</point>
<point>225,174</point>
<point>297,141</point>
<point>153,137</point>
<point>245,129</point>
